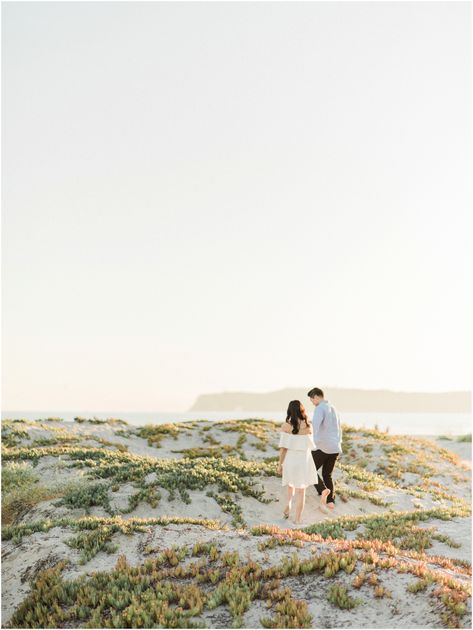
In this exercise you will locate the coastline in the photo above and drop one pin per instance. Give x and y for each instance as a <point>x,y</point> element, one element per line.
<point>397,423</point>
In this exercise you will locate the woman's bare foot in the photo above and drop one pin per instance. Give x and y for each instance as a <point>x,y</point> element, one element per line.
<point>331,505</point>
<point>287,509</point>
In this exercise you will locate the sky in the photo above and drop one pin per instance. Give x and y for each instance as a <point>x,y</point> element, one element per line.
<point>233,196</point>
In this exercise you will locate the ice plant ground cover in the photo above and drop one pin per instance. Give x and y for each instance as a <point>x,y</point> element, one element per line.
<point>109,525</point>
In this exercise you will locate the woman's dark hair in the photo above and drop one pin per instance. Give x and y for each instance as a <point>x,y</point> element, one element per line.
<point>295,414</point>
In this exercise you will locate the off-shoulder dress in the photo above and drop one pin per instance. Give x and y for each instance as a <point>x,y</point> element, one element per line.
<point>298,468</point>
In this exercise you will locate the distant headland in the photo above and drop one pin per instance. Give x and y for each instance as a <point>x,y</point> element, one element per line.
<point>353,400</point>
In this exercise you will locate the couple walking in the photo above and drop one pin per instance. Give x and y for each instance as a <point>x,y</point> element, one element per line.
<point>305,448</point>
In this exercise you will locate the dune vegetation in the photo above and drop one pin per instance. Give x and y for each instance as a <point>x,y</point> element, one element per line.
<point>180,525</point>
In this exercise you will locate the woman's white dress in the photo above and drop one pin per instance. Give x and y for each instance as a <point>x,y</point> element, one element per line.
<point>298,468</point>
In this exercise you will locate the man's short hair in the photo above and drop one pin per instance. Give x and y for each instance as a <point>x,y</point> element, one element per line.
<point>315,392</point>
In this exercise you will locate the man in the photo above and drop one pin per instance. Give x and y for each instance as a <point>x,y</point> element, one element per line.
<point>328,442</point>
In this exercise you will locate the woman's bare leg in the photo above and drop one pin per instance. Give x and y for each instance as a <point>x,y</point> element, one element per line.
<point>300,502</point>
<point>290,494</point>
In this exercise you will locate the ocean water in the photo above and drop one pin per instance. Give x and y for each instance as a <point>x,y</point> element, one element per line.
<point>403,423</point>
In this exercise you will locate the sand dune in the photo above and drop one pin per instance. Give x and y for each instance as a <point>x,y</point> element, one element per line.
<point>97,509</point>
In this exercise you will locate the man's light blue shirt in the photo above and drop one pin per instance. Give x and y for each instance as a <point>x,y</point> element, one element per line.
<point>327,428</point>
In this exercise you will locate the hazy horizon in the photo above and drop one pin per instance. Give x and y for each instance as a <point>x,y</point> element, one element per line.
<point>4,411</point>
<point>233,196</point>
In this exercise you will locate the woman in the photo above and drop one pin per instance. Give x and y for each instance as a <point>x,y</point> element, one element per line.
<point>295,458</point>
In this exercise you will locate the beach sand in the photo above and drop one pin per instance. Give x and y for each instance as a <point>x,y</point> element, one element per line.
<point>410,494</point>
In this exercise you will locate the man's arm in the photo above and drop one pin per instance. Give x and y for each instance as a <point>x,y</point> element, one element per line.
<point>317,420</point>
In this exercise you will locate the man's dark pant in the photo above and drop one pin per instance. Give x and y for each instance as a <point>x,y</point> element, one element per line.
<point>327,461</point>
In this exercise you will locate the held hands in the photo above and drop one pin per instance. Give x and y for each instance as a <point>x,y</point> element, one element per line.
<point>279,470</point>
